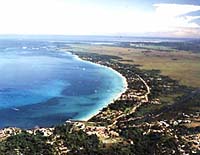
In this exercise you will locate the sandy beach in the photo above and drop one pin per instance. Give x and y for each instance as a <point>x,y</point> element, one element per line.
<point>111,100</point>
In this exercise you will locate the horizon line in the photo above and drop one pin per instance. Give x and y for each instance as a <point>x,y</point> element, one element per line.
<point>100,35</point>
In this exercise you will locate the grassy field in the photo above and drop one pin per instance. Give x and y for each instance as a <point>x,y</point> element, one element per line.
<point>180,65</point>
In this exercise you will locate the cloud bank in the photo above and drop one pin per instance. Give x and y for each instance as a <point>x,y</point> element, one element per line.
<point>70,18</point>
<point>174,18</point>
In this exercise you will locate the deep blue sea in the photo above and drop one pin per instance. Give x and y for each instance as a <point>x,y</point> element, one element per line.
<point>42,85</point>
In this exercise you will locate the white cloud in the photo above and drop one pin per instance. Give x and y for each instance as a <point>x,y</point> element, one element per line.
<point>174,10</point>
<point>68,17</point>
<point>168,18</point>
<point>174,18</point>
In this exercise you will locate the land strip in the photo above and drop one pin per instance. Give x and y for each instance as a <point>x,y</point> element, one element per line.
<point>136,123</point>
<point>183,66</point>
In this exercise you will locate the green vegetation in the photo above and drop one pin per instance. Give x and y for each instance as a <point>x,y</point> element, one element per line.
<point>165,123</point>
<point>181,65</point>
<point>25,143</point>
<point>77,141</point>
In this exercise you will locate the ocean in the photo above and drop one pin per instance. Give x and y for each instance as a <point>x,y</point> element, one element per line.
<point>42,85</point>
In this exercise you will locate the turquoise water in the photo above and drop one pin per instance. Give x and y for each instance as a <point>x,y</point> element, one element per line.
<point>40,85</point>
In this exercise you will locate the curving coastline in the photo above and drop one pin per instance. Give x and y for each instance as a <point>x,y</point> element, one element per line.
<point>119,123</point>
<point>111,100</point>
<point>113,85</point>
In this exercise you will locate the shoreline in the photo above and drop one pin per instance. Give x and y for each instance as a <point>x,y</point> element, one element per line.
<point>126,120</point>
<point>117,97</point>
<point>104,104</point>
<point>154,115</point>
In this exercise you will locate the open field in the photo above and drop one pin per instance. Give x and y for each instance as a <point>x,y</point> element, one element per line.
<point>180,65</point>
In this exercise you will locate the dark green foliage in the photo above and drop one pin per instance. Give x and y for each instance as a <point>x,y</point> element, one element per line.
<point>77,141</point>
<point>80,139</point>
<point>153,143</point>
<point>117,149</point>
<point>141,144</point>
<point>63,129</point>
<point>26,144</point>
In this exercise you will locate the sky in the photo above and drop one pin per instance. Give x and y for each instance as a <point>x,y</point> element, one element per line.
<point>160,18</point>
